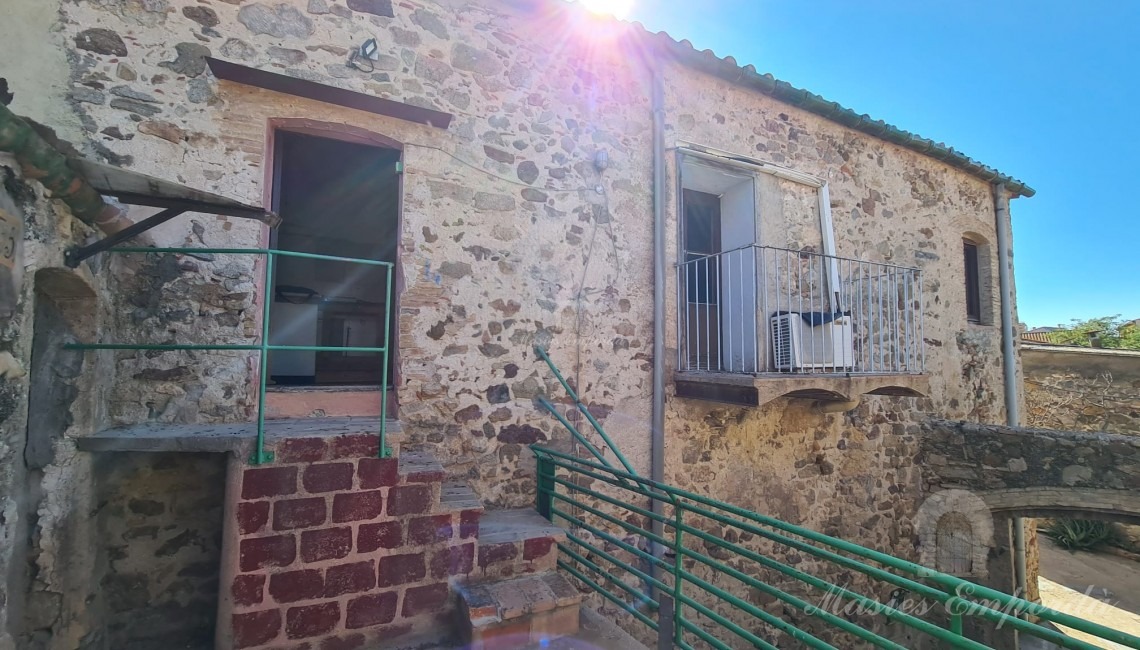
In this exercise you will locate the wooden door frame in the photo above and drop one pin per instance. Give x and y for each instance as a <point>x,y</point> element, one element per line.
<point>268,237</point>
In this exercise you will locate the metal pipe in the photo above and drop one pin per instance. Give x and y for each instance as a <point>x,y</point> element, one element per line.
<point>1009,365</point>
<point>657,420</point>
<point>1005,282</point>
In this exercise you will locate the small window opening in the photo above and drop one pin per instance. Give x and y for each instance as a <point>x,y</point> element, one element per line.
<point>973,282</point>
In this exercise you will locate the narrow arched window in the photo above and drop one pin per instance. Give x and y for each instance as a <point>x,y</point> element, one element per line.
<point>977,276</point>
<point>973,282</point>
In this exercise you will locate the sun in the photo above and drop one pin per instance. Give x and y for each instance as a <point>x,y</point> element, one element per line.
<point>617,8</point>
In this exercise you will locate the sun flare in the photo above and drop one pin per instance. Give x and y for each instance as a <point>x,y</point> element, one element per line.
<point>617,8</point>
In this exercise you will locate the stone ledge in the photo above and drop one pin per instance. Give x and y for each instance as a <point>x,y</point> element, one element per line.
<point>223,438</point>
<point>757,390</point>
<point>496,602</point>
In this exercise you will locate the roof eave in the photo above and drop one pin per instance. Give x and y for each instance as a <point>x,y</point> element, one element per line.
<point>728,69</point>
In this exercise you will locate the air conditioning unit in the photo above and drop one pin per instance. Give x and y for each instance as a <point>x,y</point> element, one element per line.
<point>797,344</point>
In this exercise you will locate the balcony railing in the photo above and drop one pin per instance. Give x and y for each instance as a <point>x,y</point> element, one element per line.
<point>758,309</point>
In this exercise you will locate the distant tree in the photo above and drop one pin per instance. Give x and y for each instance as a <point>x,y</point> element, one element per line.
<point>1109,331</point>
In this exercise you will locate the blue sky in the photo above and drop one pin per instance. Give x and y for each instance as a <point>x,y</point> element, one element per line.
<point>1046,91</point>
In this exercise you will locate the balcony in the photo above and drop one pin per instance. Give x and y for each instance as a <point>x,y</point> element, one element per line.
<point>757,323</point>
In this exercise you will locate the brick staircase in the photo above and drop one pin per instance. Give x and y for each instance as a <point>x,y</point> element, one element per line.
<point>330,547</point>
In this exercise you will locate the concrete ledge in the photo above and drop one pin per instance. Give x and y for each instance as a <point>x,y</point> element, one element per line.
<point>222,438</point>
<point>757,390</point>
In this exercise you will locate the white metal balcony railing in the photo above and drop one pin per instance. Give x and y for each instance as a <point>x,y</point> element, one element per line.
<point>758,309</point>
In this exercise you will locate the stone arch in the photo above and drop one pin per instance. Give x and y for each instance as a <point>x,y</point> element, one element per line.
<point>955,531</point>
<point>73,294</point>
<point>1083,503</point>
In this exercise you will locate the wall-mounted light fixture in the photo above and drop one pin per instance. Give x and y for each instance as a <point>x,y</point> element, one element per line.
<point>370,50</point>
<point>363,56</point>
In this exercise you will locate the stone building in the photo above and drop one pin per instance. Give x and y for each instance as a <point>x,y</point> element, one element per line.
<point>501,155</point>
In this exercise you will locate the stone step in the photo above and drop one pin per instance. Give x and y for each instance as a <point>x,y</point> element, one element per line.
<point>516,542</point>
<point>420,466</point>
<point>517,612</point>
<point>358,435</point>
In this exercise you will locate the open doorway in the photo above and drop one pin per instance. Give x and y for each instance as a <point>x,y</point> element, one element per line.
<point>335,198</point>
<point>718,223</point>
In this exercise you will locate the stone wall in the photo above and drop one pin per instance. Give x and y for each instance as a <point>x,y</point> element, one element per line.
<point>1020,472</point>
<point>160,533</point>
<point>1082,389</point>
<point>853,474</point>
<point>505,240</point>
<point>1036,471</point>
<point>49,592</point>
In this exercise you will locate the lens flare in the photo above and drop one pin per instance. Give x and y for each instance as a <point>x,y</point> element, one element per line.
<point>617,8</point>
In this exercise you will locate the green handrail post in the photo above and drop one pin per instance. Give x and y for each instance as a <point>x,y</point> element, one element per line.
<point>956,624</point>
<point>956,606</point>
<point>385,451</point>
<point>544,498</point>
<point>260,457</point>
<point>678,572</point>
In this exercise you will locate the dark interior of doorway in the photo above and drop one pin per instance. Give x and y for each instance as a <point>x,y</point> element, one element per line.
<point>701,231</point>
<point>335,198</point>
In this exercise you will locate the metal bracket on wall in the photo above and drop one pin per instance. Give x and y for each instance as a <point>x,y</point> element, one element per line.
<point>74,256</point>
<point>172,199</point>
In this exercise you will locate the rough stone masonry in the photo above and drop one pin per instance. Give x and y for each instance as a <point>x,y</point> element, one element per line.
<point>505,241</point>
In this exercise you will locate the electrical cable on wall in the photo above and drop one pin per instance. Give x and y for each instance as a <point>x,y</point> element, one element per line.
<point>497,176</point>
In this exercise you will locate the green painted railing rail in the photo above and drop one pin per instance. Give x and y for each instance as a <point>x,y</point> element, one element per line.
<point>263,347</point>
<point>578,435</point>
<point>608,538</point>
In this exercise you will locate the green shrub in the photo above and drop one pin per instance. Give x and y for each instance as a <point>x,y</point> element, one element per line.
<point>1080,534</point>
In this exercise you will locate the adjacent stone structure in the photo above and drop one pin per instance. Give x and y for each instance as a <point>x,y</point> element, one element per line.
<point>1081,389</point>
<point>1036,472</point>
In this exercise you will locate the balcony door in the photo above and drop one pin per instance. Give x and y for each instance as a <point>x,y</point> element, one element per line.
<point>702,277</point>
<point>718,225</point>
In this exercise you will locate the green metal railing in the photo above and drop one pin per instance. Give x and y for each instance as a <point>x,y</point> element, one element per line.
<point>263,347</point>
<point>679,586</point>
<point>578,435</point>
